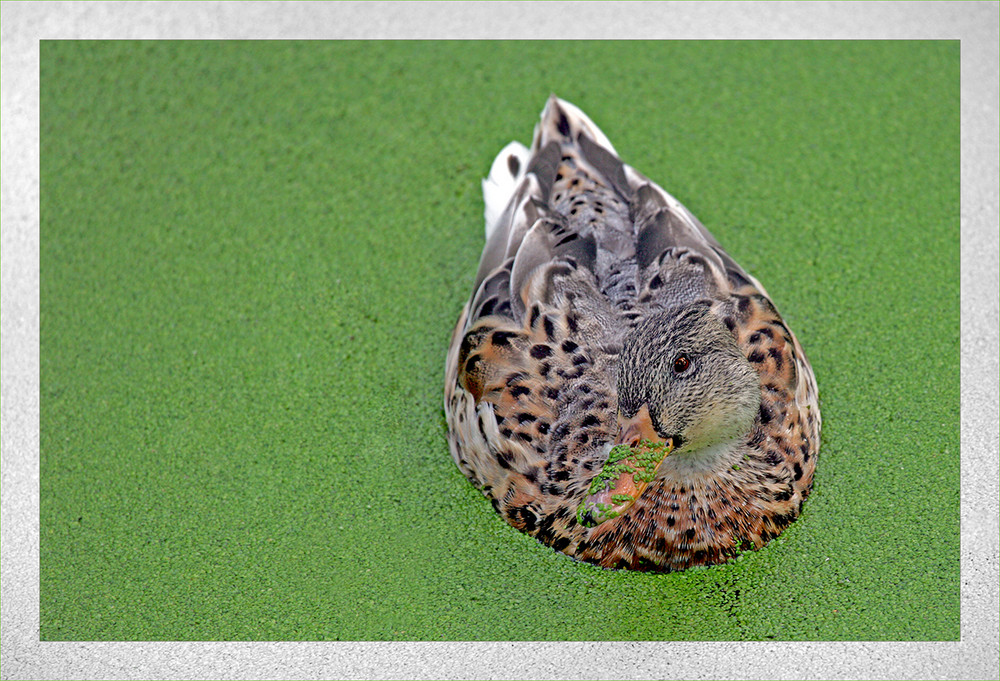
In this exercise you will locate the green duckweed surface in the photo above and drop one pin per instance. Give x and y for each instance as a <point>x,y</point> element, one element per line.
<point>252,255</point>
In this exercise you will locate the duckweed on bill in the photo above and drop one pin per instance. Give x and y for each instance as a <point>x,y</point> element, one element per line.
<point>641,461</point>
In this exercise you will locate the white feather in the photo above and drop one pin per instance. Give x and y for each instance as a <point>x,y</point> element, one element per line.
<point>499,186</point>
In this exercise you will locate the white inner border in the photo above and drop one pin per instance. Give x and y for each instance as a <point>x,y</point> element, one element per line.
<point>25,23</point>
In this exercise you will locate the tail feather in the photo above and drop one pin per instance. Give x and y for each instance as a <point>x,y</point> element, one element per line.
<point>562,122</point>
<point>569,201</point>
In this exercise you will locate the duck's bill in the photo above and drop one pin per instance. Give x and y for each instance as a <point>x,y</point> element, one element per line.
<point>625,476</point>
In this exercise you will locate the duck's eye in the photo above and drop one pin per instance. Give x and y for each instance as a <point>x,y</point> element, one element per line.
<point>681,364</point>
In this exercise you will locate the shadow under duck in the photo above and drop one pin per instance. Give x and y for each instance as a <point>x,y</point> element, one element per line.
<point>617,385</point>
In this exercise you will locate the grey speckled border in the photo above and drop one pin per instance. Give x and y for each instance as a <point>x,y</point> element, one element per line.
<point>25,657</point>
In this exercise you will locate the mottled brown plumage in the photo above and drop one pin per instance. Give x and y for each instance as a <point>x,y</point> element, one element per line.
<point>600,301</point>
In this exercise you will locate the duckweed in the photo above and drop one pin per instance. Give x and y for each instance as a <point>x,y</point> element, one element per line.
<point>135,178</point>
<point>595,514</point>
<point>641,461</point>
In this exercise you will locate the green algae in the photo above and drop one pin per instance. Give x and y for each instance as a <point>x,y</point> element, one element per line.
<point>594,513</point>
<point>612,469</point>
<point>252,255</point>
<point>640,461</point>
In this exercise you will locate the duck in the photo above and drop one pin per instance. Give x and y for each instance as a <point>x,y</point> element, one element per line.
<point>616,384</point>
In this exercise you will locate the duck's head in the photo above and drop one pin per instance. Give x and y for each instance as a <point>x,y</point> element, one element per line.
<point>683,380</point>
<point>684,390</point>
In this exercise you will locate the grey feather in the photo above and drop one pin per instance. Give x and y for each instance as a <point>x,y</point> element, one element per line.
<point>522,212</point>
<point>548,241</point>
<point>493,295</point>
<point>606,164</point>
<point>543,166</point>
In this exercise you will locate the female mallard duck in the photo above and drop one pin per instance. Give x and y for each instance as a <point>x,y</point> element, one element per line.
<point>617,385</point>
